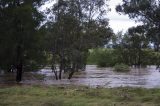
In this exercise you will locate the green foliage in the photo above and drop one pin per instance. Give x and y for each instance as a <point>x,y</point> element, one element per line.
<point>74,30</point>
<point>142,11</point>
<point>21,38</point>
<point>102,57</point>
<point>121,68</point>
<point>70,31</point>
<point>110,57</point>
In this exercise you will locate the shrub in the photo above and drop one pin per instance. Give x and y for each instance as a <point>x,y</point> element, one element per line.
<point>102,57</point>
<point>121,67</point>
<point>101,63</point>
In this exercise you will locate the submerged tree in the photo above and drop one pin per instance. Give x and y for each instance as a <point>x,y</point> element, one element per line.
<point>136,40</point>
<point>76,26</point>
<point>129,47</point>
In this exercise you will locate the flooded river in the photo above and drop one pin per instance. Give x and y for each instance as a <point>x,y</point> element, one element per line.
<point>93,77</point>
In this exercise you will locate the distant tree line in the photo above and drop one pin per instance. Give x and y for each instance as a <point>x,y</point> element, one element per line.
<point>139,45</point>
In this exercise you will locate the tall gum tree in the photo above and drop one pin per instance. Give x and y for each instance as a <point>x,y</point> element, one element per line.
<point>76,27</point>
<point>147,12</point>
<point>19,28</point>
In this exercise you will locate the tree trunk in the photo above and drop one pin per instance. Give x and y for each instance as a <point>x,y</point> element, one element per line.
<point>55,72</point>
<point>54,64</point>
<point>72,71</point>
<point>60,70</point>
<point>19,65</point>
<point>60,73</point>
<point>19,72</point>
<point>139,59</point>
<point>71,74</point>
<point>156,47</point>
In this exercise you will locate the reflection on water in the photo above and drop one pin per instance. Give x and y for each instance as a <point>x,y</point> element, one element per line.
<point>104,77</point>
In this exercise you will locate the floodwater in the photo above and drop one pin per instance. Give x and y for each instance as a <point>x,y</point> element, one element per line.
<point>93,77</point>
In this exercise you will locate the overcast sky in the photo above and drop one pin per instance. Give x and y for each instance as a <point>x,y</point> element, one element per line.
<point>117,22</point>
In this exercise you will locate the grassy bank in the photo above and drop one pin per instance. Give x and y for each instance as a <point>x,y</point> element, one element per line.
<point>78,96</point>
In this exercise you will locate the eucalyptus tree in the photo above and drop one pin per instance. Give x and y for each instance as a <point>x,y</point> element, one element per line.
<point>76,26</point>
<point>129,47</point>
<point>136,42</point>
<point>147,12</point>
<point>20,38</point>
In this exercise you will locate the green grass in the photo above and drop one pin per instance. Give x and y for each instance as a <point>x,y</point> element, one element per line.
<point>78,96</point>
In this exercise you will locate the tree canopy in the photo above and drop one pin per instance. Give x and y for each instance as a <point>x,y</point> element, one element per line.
<point>20,35</point>
<point>76,27</point>
<point>147,12</point>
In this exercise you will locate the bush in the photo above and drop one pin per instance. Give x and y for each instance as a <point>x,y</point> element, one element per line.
<point>101,63</point>
<point>121,68</point>
<point>102,57</point>
<point>105,57</point>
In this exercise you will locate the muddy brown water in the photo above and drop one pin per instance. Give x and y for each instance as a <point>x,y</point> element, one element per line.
<point>93,77</point>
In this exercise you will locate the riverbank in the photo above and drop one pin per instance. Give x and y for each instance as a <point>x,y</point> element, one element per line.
<point>77,96</point>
